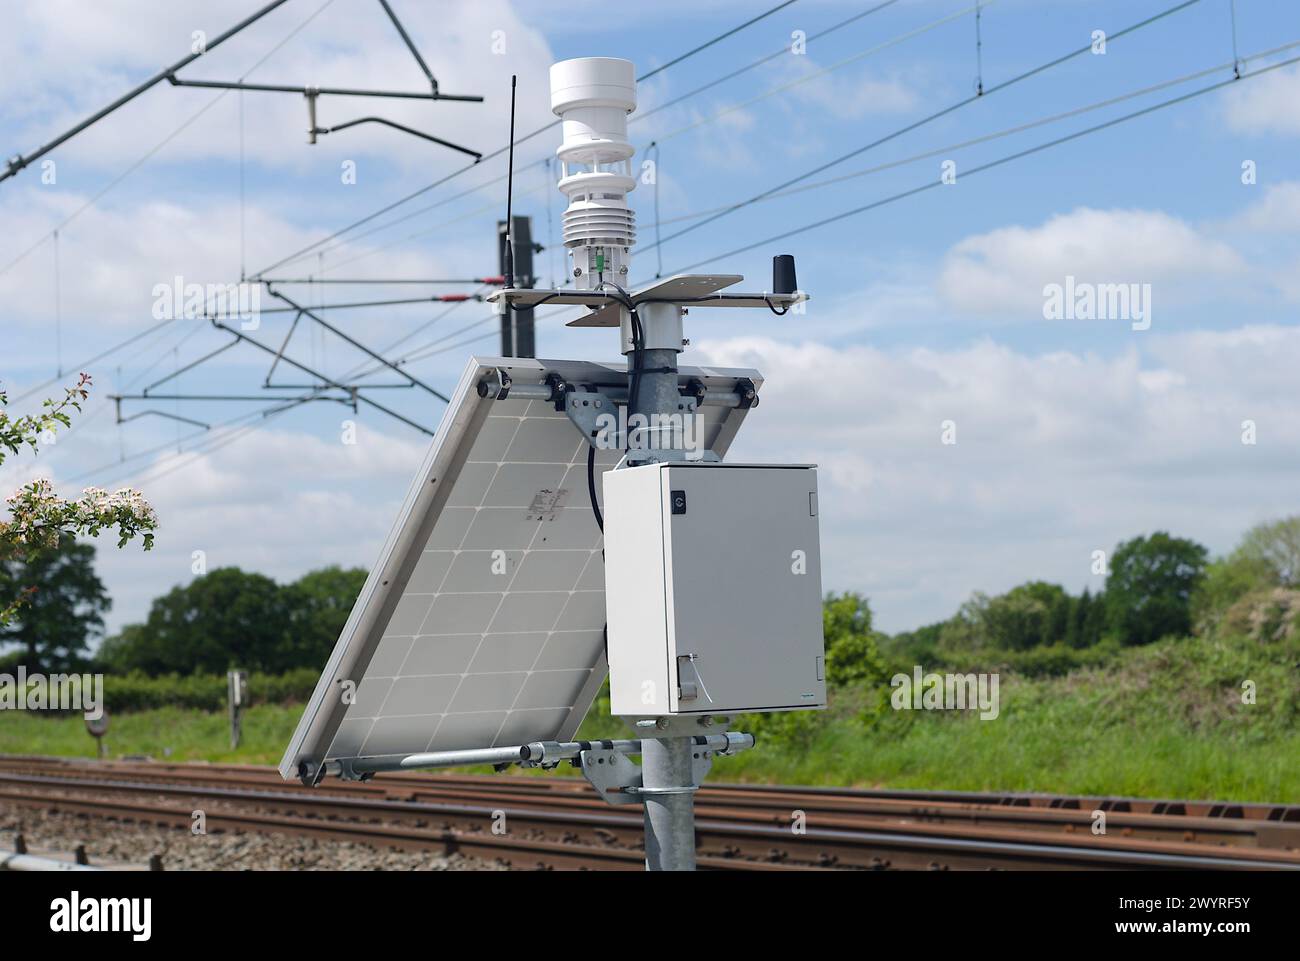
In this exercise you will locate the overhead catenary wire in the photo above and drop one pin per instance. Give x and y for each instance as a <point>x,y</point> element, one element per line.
<point>382,281</point>
<point>547,159</point>
<point>809,77</point>
<point>640,116</point>
<point>211,440</point>
<point>996,135</point>
<point>410,45</point>
<point>149,154</point>
<point>929,118</point>
<point>1038,148</point>
<point>500,151</point>
<point>489,334</point>
<point>155,329</point>
<point>21,161</point>
<point>783,51</point>
<point>426,231</point>
<point>718,39</point>
<point>135,338</point>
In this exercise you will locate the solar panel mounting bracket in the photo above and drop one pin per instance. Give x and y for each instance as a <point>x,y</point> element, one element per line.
<point>686,290</point>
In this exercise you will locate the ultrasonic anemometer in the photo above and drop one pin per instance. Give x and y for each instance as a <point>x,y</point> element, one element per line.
<point>509,585</point>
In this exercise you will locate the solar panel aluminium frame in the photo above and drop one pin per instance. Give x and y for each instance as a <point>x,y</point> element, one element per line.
<point>314,741</point>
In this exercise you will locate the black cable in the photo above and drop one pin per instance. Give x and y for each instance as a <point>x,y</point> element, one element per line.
<point>591,487</point>
<point>638,353</point>
<point>780,313</point>
<point>539,303</point>
<point>638,365</point>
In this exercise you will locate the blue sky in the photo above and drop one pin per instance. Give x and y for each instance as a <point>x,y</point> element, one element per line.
<point>1071,434</point>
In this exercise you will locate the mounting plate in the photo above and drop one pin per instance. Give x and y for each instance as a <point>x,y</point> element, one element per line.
<point>694,290</point>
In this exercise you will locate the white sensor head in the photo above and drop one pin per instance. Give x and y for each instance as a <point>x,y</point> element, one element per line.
<point>593,96</point>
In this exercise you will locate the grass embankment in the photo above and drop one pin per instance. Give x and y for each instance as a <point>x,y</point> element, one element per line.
<point>1167,720</point>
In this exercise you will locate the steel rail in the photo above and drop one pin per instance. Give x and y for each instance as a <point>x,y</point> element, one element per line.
<point>902,844</point>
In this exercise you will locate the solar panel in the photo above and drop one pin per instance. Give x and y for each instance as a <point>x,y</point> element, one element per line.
<point>482,624</point>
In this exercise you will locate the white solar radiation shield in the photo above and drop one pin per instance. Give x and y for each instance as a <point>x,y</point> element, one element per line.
<point>482,624</point>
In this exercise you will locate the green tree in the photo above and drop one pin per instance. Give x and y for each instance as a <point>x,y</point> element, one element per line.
<point>64,605</point>
<point>1027,616</point>
<point>319,603</point>
<point>852,645</point>
<point>223,619</point>
<point>967,629</point>
<point>1075,617</point>
<point>1148,593</point>
<point>232,618</point>
<point>1227,580</point>
<point>1273,549</point>
<point>1094,624</point>
<point>118,652</point>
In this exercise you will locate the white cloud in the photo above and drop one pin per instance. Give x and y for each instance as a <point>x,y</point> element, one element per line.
<point>1006,269</point>
<point>1266,105</point>
<point>1057,454</point>
<point>113,256</point>
<point>1278,211</point>
<point>278,501</point>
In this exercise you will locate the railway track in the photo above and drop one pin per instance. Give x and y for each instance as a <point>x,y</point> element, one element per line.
<point>558,822</point>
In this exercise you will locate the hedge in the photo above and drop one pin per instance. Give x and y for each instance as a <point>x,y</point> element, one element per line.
<point>203,692</point>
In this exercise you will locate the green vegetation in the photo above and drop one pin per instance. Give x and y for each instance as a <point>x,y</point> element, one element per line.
<point>64,607</point>
<point>1185,689</point>
<point>229,618</point>
<point>168,733</point>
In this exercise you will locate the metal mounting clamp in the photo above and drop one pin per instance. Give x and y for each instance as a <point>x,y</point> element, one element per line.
<point>615,778</point>
<point>560,388</point>
<point>585,408</point>
<point>496,385</point>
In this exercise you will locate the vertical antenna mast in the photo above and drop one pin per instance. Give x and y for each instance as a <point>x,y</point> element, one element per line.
<point>510,192</point>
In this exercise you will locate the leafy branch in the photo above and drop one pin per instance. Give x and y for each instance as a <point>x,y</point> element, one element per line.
<point>38,516</point>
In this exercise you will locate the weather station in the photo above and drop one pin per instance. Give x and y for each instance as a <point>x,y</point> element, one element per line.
<point>574,519</point>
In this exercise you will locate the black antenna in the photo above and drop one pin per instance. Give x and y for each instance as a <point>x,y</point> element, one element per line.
<point>510,193</point>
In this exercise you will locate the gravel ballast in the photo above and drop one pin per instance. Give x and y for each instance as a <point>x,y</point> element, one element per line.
<point>116,841</point>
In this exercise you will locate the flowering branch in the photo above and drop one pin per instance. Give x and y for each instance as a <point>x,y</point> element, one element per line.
<point>39,517</point>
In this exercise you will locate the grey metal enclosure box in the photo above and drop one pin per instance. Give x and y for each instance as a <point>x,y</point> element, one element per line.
<point>713,589</point>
